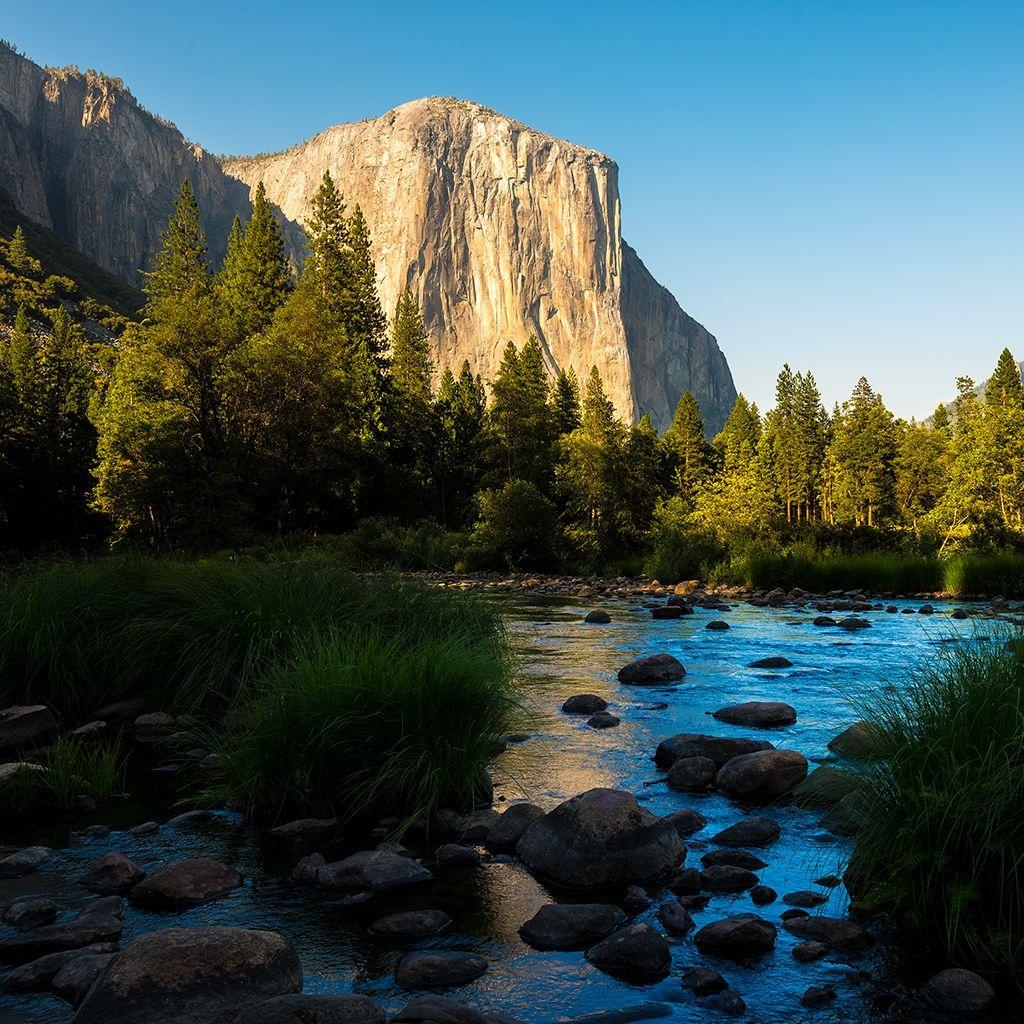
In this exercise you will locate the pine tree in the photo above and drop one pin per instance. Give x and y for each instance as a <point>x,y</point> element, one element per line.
<point>364,319</point>
<point>566,402</point>
<point>180,265</point>
<point>411,426</point>
<point>688,452</point>
<point>327,265</point>
<point>1005,389</point>
<point>17,251</point>
<point>460,408</point>
<point>941,419</point>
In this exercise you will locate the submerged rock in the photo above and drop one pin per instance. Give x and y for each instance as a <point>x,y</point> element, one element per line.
<point>808,952</point>
<point>192,976</point>
<point>410,925</point>
<point>635,952</point>
<point>724,878</point>
<point>603,720</point>
<point>376,870</point>
<point>805,898</point>
<point>598,617</point>
<point>733,858</point>
<point>776,661</point>
<point>818,995</point>
<point>652,670</point>
<point>571,925</point>
<point>600,838</point>
<point>753,831</point>
<point>835,932</point>
<point>439,968</point>
<point>761,714</point>
<point>763,775</point>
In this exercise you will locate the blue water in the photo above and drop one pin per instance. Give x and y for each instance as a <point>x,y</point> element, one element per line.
<point>560,758</point>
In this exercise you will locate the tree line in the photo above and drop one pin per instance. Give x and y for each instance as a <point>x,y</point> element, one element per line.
<point>252,401</point>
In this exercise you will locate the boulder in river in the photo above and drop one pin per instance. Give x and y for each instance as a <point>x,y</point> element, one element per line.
<point>438,1009</point>
<point>835,932</point>
<point>717,748</point>
<point>702,981</point>
<point>313,1009</point>
<point>24,862</point>
<point>726,878</point>
<point>509,828</point>
<point>763,775</point>
<point>305,830</point>
<point>692,774</point>
<point>733,858</point>
<point>740,937</point>
<point>666,611</point>
<point>675,917</point>
<point>761,714</point>
<point>456,855</point>
<point>85,929</point>
<point>584,704</point>
<point>410,925</point>
<point>186,883</point>
<point>192,976</point>
<point>76,977</point>
<point>653,670</point>
<point>374,870</point>
<point>753,831</point>
<point>603,720</point>
<point>775,661</point>
<point>36,975</point>
<point>571,925</point>
<point>112,873</point>
<point>30,912</point>
<point>636,952</point>
<point>825,787</point>
<point>439,968</point>
<point>601,838</point>
<point>718,625</point>
<point>598,617</point>
<point>857,743</point>
<point>961,992</point>
<point>686,821</point>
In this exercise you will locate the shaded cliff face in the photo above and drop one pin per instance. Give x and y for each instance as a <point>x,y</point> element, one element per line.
<point>80,156</point>
<point>503,232</point>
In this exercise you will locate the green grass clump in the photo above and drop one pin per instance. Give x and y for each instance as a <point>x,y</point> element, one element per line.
<point>378,721</point>
<point>941,846</point>
<point>998,572</point>
<point>70,768</point>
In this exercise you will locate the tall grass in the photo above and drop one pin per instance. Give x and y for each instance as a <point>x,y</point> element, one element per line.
<point>187,634</point>
<point>381,721</point>
<point>71,767</point>
<point>942,842</point>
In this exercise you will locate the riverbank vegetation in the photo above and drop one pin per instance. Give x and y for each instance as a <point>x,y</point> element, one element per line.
<point>318,690</point>
<point>941,844</point>
<point>251,404</point>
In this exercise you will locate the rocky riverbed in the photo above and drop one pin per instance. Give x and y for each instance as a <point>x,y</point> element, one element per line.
<point>708,892</point>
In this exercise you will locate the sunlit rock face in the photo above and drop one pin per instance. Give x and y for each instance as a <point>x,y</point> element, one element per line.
<point>503,232</point>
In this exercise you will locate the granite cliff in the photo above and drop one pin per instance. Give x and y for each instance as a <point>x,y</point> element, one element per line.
<point>502,231</point>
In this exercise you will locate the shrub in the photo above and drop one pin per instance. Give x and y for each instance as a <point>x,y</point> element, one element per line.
<point>517,525</point>
<point>941,846</point>
<point>379,722</point>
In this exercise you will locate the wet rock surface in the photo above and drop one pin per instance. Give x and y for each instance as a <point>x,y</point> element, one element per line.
<point>571,925</point>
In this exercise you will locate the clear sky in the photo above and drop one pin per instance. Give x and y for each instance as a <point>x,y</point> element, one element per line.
<point>835,184</point>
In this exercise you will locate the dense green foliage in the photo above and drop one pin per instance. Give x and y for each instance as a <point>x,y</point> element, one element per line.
<point>941,843</point>
<point>250,404</point>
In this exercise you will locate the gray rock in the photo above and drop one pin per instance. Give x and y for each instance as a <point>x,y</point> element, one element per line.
<point>636,952</point>
<point>36,975</point>
<point>754,831</point>
<point>375,870</point>
<point>25,725</point>
<point>83,930</point>
<point>857,743</point>
<point>24,862</point>
<point>584,704</point>
<point>764,775</point>
<point>718,625</point>
<point>439,968</point>
<point>760,714</point>
<point>686,882</point>
<point>804,898</point>
<point>776,661</point>
<point>675,917</point>
<point>719,749</point>
<point>603,720</point>
<point>318,1009</point>
<point>571,925</point>
<point>147,828</point>
<point>854,624</point>
<point>186,883</point>
<point>113,873</point>
<point>191,821</point>
<point>817,996</point>
<point>729,1002</point>
<point>76,977</point>
<point>667,611</point>
<point>702,981</point>
<point>11,772</point>
<point>835,932</point>
<point>825,787</point>
<point>121,711</point>
<point>824,620</point>
<point>153,727</point>
<point>597,617</point>
<point>475,827</point>
<point>961,992</point>
<point>30,912</point>
<point>740,937</point>
<point>653,670</point>
<point>808,952</point>
<point>410,925</point>
<point>308,868</point>
<point>763,895</point>
<point>692,774</point>
<point>455,855</point>
<point>686,821</point>
<point>733,858</point>
<point>509,828</point>
<point>438,1009</point>
<point>602,837</point>
<point>192,976</point>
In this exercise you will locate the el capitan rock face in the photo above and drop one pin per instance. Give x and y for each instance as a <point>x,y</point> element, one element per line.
<point>500,230</point>
<point>503,232</point>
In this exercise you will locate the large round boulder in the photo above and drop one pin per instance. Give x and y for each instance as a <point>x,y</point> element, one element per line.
<point>740,937</point>
<point>192,976</point>
<point>653,670</point>
<point>857,743</point>
<point>186,883</point>
<point>716,748</point>
<point>112,873</point>
<point>753,831</point>
<point>763,775</point>
<point>761,714</point>
<point>636,953</point>
<point>601,838</point>
<point>961,992</point>
<point>373,870</point>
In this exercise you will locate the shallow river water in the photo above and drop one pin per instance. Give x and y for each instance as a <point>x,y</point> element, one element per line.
<point>561,757</point>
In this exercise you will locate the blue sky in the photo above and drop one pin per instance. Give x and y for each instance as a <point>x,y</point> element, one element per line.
<point>835,184</point>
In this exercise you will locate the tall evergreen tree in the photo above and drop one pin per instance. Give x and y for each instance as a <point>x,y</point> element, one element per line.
<point>460,408</point>
<point>364,319</point>
<point>566,402</point>
<point>1004,389</point>
<point>688,452</point>
<point>327,265</point>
